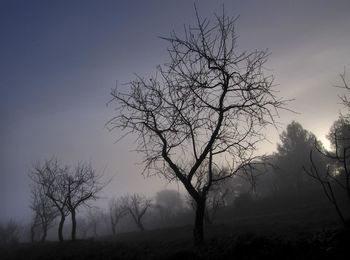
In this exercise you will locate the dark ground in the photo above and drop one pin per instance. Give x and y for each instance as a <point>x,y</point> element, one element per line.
<point>327,244</point>
<point>296,234</point>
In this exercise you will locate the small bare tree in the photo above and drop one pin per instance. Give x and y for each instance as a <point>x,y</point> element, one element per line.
<point>137,206</point>
<point>94,217</point>
<point>67,189</point>
<point>205,108</point>
<point>83,185</point>
<point>116,212</point>
<point>82,227</point>
<point>33,226</point>
<point>49,176</point>
<point>9,233</point>
<point>44,210</point>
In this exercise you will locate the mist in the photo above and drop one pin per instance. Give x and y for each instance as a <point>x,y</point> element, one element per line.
<point>66,69</point>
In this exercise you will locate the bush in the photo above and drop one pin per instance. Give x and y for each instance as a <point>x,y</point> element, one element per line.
<point>9,233</point>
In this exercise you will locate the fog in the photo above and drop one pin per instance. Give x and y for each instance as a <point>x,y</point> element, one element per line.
<point>61,60</point>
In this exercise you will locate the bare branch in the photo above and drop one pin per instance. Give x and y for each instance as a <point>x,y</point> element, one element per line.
<point>208,103</point>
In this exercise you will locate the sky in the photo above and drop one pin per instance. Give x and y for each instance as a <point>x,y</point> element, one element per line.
<point>59,61</point>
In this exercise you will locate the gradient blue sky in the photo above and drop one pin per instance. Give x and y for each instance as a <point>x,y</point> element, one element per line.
<point>60,59</point>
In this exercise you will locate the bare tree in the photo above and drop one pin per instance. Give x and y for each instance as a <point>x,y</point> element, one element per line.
<point>214,201</point>
<point>344,99</point>
<point>137,206</point>
<point>33,226</point>
<point>50,177</point>
<point>44,210</point>
<point>327,182</point>
<point>83,185</point>
<point>67,189</point>
<point>116,212</point>
<point>82,227</point>
<point>94,217</point>
<point>339,174</point>
<point>204,110</point>
<point>9,233</point>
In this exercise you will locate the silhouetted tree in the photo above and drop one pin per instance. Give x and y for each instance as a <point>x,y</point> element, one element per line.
<point>292,155</point>
<point>67,189</point>
<point>82,185</point>
<point>33,226</point>
<point>50,177</point>
<point>9,233</point>
<point>344,98</point>
<point>326,180</point>
<point>116,212</point>
<point>82,227</point>
<point>137,206</point>
<point>94,217</point>
<point>339,137</point>
<point>207,103</point>
<point>338,174</point>
<point>44,210</point>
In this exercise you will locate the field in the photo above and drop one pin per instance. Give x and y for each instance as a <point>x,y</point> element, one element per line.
<point>284,235</point>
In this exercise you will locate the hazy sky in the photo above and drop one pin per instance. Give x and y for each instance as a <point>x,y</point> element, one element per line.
<point>60,59</point>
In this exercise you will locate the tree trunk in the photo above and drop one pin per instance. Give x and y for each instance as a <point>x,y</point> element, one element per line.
<point>140,225</point>
<point>113,225</point>
<point>43,237</point>
<point>95,228</point>
<point>32,233</point>
<point>74,225</point>
<point>340,214</point>
<point>60,227</point>
<point>32,228</point>
<point>198,233</point>
<point>114,232</point>
<point>207,219</point>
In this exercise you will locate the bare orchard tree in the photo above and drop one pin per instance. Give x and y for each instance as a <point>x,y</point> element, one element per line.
<point>33,226</point>
<point>215,200</point>
<point>116,212</point>
<point>83,185</point>
<point>50,177</point>
<point>137,206</point>
<point>9,233</point>
<point>94,217</point>
<point>67,189</point>
<point>44,210</point>
<point>82,227</point>
<point>207,106</point>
